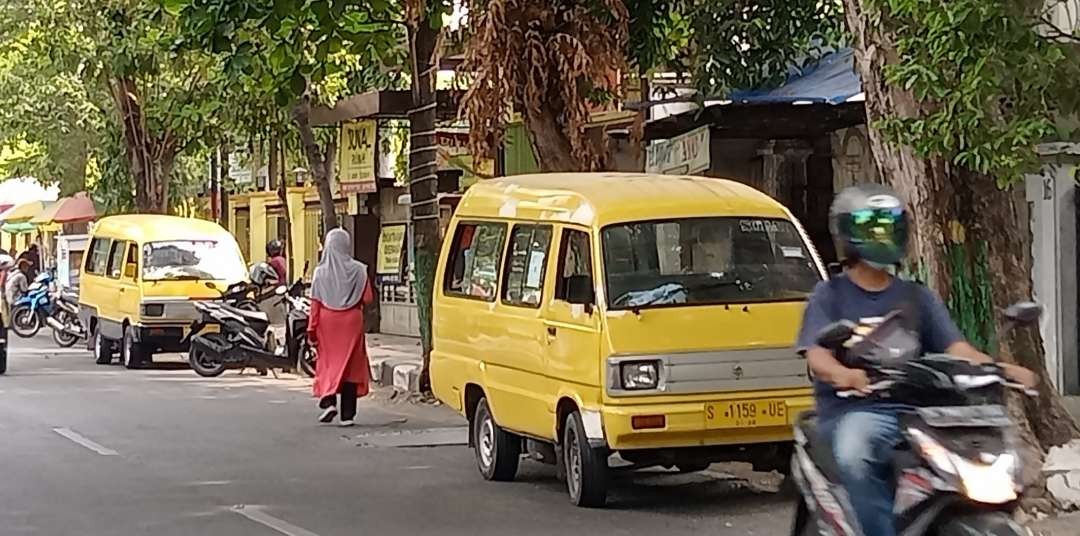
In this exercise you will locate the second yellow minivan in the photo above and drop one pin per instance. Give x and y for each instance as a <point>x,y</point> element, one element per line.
<point>578,316</point>
<point>141,272</point>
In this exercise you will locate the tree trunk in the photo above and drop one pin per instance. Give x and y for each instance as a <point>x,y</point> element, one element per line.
<point>973,240</point>
<point>150,160</point>
<point>423,179</point>
<point>283,195</point>
<point>548,137</point>
<point>320,164</point>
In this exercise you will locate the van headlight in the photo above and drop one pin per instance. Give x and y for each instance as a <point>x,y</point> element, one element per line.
<point>639,375</point>
<point>153,309</point>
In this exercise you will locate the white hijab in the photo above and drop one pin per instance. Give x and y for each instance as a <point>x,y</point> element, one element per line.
<point>339,279</point>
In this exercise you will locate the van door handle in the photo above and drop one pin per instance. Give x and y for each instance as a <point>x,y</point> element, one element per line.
<point>551,331</point>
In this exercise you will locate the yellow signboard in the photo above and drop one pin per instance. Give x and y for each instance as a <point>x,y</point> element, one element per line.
<point>391,244</point>
<point>356,160</point>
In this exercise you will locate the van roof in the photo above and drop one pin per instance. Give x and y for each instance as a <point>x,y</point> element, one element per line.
<point>155,227</point>
<point>599,199</point>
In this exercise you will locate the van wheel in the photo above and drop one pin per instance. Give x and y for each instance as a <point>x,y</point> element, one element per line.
<point>132,354</point>
<point>103,352</point>
<point>497,451</point>
<point>586,467</point>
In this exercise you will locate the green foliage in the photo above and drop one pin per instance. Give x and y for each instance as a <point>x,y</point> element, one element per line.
<point>275,52</point>
<point>732,44</point>
<point>994,85</point>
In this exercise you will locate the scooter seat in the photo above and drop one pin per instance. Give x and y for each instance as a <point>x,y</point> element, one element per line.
<point>819,448</point>
<point>257,316</point>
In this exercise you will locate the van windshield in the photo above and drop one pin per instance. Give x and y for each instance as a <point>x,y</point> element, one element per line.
<point>192,259</point>
<point>701,261</point>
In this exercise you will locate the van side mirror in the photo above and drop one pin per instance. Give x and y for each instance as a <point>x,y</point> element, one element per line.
<point>1023,313</point>
<point>835,334</point>
<point>579,290</point>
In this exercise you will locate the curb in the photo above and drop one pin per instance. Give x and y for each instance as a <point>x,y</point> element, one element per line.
<point>402,375</point>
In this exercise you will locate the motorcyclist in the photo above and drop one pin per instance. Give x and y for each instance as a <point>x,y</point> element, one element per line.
<point>870,226</point>
<point>275,255</point>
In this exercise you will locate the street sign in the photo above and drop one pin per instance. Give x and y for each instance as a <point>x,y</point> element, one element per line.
<point>682,155</point>
<point>356,160</point>
<point>391,243</point>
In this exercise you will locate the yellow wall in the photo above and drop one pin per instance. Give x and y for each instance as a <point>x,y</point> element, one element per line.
<point>258,204</point>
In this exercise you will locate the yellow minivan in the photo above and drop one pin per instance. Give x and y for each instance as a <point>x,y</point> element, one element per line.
<point>139,276</point>
<point>578,316</point>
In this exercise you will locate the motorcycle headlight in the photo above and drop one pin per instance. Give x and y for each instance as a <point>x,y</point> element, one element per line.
<point>989,483</point>
<point>639,375</point>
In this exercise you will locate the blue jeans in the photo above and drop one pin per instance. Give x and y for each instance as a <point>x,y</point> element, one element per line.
<point>863,443</point>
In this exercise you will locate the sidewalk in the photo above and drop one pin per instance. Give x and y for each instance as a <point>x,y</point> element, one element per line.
<point>395,361</point>
<point>1063,525</point>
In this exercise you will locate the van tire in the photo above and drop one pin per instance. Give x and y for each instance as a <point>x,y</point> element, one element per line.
<point>586,467</point>
<point>497,451</point>
<point>132,354</point>
<point>103,352</point>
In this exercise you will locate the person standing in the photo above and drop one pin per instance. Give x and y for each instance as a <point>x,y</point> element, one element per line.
<point>275,255</point>
<point>339,290</point>
<point>16,284</point>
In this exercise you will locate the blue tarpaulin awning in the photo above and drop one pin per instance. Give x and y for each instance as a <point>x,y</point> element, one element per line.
<point>832,80</point>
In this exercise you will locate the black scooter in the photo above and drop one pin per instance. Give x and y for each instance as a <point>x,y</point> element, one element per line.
<point>956,473</point>
<point>242,338</point>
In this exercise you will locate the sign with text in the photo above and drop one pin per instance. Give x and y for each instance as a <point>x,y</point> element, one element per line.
<point>682,155</point>
<point>391,246</point>
<point>356,161</point>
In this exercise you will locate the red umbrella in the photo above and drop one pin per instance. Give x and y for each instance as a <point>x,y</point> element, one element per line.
<point>77,208</point>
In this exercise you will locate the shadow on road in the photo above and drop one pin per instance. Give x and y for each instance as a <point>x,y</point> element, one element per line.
<point>672,493</point>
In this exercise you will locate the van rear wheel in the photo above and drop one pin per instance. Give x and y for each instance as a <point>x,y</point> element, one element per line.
<point>586,467</point>
<point>132,354</point>
<point>497,451</point>
<point>103,352</point>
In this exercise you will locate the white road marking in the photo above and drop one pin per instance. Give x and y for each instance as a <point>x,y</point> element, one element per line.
<point>86,442</point>
<point>256,514</point>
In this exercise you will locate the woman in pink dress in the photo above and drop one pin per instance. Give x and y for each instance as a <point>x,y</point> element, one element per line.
<point>339,291</point>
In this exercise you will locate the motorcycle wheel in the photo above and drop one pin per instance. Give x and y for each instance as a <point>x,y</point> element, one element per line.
<point>203,364</point>
<point>306,361</point>
<point>62,338</point>
<point>986,523</point>
<point>24,322</point>
<point>3,359</point>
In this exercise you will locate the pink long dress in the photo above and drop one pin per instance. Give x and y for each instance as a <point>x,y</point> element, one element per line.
<point>342,347</point>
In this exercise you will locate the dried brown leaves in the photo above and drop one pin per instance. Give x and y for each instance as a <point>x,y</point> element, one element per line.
<point>553,58</point>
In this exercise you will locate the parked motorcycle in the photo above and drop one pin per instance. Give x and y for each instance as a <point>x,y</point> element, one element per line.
<point>957,471</point>
<point>65,323</point>
<point>298,307</point>
<point>29,312</point>
<point>242,337</point>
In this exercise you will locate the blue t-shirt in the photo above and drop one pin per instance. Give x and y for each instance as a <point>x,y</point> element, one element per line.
<point>844,300</point>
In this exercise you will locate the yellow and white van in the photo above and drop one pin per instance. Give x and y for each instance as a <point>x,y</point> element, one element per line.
<point>580,315</point>
<point>140,273</point>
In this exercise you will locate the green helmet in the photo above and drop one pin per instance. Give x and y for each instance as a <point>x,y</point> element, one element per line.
<point>869,223</point>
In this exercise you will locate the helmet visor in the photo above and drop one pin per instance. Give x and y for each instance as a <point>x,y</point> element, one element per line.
<point>880,235</point>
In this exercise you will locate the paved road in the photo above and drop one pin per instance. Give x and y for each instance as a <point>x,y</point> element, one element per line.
<point>94,450</point>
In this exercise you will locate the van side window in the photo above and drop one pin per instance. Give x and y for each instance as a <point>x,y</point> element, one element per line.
<point>131,265</point>
<point>526,265</point>
<point>98,258</point>
<point>473,267</point>
<point>116,259</point>
<point>575,260</point>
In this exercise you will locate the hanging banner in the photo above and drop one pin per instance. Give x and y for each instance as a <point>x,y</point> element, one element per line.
<point>682,155</point>
<point>356,160</point>
<point>391,244</point>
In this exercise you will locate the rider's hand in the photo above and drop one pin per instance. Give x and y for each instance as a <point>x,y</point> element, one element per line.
<point>852,379</point>
<point>1020,375</point>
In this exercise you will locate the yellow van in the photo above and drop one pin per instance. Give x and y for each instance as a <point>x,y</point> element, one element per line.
<point>139,275</point>
<point>582,315</point>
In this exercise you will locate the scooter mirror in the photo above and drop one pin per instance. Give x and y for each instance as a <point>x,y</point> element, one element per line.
<point>281,290</point>
<point>835,334</point>
<point>1024,312</point>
